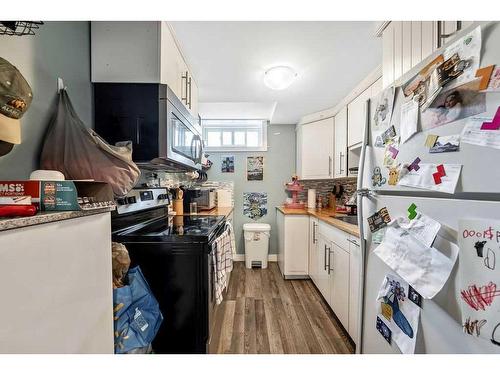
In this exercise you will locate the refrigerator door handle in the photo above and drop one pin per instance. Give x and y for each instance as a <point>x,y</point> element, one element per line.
<point>362,192</point>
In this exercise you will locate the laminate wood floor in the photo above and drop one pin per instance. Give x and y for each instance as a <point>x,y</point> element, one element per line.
<point>265,314</point>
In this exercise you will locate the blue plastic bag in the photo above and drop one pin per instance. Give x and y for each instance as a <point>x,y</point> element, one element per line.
<point>137,315</point>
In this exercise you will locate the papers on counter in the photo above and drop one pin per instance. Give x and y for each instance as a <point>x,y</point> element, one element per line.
<point>425,268</point>
<point>409,120</point>
<point>479,278</point>
<point>399,309</point>
<point>473,134</point>
<point>423,177</point>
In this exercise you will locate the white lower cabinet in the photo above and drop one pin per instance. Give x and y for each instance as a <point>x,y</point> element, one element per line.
<point>334,267</point>
<point>354,286</point>
<point>313,248</point>
<point>338,269</point>
<point>293,244</point>
<point>323,278</point>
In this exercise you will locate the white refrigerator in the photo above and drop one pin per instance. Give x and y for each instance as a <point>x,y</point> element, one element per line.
<point>477,196</point>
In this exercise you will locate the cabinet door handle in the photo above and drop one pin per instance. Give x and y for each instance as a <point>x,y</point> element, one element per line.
<point>353,242</point>
<point>329,260</point>
<point>314,233</point>
<point>325,257</point>
<point>138,123</point>
<point>185,79</point>
<point>329,166</point>
<point>189,86</point>
<point>340,163</point>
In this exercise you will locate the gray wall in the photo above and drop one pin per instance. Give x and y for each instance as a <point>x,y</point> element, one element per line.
<point>59,49</point>
<point>279,165</point>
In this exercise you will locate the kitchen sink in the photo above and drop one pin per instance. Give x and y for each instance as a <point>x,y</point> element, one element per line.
<point>347,219</point>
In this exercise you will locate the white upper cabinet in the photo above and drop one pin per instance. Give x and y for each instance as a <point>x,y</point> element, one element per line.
<point>315,150</point>
<point>356,118</point>
<point>406,43</point>
<point>340,136</point>
<point>141,52</point>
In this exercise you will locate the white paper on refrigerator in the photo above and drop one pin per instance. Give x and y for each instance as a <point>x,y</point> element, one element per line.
<point>473,134</point>
<point>422,227</point>
<point>468,48</point>
<point>424,179</point>
<point>399,312</point>
<point>409,120</point>
<point>382,111</point>
<point>479,242</point>
<point>425,268</point>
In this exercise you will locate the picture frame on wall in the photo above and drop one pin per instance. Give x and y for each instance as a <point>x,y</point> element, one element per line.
<point>227,164</point>
<point>255,168</point>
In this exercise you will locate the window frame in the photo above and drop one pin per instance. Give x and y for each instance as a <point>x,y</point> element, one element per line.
<point>233,126</point>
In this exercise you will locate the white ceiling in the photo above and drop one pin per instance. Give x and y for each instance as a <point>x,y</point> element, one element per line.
<point>228,60</point>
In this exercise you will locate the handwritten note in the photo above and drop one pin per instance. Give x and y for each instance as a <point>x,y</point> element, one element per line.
<point>479,242</point>
<point>409,120</point>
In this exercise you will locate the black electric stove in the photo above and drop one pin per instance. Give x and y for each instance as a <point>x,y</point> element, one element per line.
<point>175,255</point>
<point>185,228</point>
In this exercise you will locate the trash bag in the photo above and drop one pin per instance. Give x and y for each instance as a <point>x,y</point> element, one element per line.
<point>137,315</point>
<point>80,153</point>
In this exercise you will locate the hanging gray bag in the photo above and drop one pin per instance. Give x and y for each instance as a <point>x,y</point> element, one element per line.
<point>80,153</point>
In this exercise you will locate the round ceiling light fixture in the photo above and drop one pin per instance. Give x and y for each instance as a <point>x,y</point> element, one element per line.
<point>279,77</point>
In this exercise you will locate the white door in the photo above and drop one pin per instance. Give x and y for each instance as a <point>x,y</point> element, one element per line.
<point>356,118</point>
<point>313,248</point>
<point>354,286</point>
<point>340,136</point>
<point>338,269</point>
<point>323,280</point>
<point>317,149</point>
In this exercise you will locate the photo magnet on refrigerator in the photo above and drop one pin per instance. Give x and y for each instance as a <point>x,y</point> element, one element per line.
<point>384,330</point>
<point>379,219</point>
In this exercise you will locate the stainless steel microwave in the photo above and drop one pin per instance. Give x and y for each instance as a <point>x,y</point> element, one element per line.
<point>163,132</point>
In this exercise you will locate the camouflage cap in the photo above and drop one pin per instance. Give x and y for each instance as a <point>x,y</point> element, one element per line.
<point>15,98</point>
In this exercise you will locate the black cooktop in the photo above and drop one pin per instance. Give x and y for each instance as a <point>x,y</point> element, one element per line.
<point>187,227</point>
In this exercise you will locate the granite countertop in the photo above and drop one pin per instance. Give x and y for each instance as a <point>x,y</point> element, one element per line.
<point>47,217</point>
<point>217,211</point>
<point>323,215</point>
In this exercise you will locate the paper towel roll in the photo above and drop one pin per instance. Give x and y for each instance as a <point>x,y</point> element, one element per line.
<point>311,198</point>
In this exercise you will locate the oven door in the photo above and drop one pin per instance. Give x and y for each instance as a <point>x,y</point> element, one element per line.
<point>184,143</point>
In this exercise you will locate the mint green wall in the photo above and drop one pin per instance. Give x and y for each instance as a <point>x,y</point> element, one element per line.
<point>58,49</point>
<point>279,165</point>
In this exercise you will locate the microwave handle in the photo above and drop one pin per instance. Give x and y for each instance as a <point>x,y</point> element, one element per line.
<point>199,150</point>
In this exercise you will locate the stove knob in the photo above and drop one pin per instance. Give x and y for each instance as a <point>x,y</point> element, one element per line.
<point>131,200</point>
<point>121,201</point>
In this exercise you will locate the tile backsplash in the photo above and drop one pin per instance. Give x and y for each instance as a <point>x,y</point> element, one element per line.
<point>324,187</point>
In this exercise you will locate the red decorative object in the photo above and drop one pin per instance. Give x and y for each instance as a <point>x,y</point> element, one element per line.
<point>294,187</point>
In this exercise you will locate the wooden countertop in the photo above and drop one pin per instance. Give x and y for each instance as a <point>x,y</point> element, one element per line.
<point>217,211</point>
<point>323,215</point>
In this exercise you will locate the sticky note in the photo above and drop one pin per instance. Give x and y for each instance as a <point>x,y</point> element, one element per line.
<point>412,211</point>
<point>494,124</point>
<point>485,75</point>
<point>431,140</point>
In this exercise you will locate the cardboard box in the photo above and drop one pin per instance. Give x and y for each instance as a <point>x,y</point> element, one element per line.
<point>59,195</point>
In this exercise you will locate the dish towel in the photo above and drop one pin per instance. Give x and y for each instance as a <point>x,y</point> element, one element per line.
<point>222,256</point>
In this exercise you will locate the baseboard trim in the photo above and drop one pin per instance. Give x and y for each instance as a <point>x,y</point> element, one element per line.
<point>241,257</point>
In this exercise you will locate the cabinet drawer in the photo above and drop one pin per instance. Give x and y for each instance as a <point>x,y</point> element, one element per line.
<point>337,236</point>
